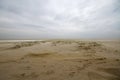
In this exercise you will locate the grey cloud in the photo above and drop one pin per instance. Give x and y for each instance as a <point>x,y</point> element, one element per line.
<point>59,19</point>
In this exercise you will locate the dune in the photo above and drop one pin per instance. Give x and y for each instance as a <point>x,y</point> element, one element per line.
<point>60,60</point>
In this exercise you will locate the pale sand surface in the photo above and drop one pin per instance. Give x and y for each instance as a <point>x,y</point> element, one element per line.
<point>60,60</point>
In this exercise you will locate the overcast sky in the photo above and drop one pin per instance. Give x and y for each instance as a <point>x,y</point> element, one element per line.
<point>77,19</point>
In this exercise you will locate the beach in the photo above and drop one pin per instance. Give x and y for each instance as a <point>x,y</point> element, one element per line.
<point>60,60</point>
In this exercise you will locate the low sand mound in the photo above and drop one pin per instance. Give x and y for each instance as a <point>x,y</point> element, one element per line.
<point>37,55</point>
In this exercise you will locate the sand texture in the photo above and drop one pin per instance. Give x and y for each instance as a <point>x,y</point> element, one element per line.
<point>60,60</point>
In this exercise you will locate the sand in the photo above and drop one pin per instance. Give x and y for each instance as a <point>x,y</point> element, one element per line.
<point>60,60</point>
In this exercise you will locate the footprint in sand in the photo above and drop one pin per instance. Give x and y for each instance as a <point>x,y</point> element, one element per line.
<point>25,75</point>
<point>95,76</point>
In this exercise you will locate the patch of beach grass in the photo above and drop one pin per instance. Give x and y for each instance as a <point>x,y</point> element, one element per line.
<point>23,44</point>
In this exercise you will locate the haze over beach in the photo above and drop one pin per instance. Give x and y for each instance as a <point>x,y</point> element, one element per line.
<point>59,39</point>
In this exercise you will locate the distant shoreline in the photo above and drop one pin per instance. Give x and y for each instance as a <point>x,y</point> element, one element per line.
<point>59,39</point>
<point>18,40</point>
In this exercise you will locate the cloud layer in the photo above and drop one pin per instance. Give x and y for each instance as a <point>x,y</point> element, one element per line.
<point>39,19</point>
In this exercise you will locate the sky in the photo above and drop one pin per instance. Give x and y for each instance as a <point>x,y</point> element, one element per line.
<point>59,19</point>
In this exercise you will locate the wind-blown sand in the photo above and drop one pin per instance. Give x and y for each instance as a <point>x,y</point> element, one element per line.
<point>60,60</point>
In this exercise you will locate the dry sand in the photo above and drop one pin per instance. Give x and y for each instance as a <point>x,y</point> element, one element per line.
<point>60,60</point>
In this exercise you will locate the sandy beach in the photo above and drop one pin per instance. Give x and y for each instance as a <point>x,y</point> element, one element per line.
<point>60,60</point>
